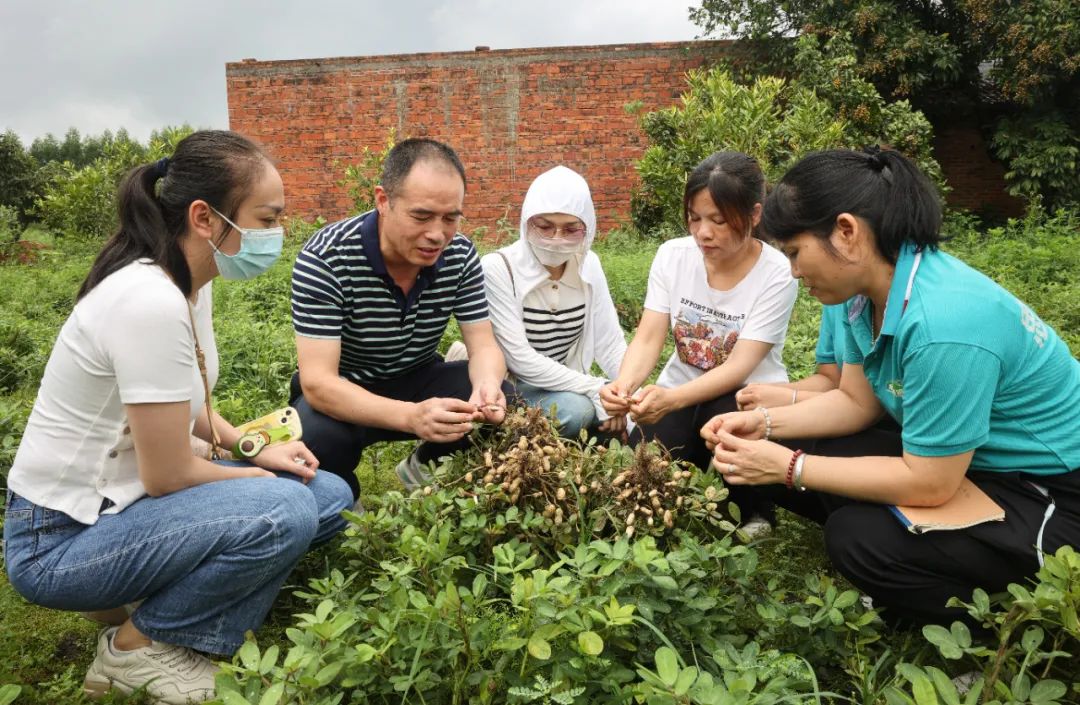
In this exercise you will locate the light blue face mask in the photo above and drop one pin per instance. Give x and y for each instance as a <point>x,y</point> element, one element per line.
<point>259,249</point>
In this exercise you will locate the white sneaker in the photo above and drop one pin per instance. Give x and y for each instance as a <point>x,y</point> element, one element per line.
<point>173,675</point>
<point>411,471</point>
<point>756,527</point>
<point>456,351</point>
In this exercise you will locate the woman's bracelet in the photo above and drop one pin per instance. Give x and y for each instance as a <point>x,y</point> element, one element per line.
<point>794,396</point>
<point>768,422</point>
<point>796,479</point>
<point>789,478</point>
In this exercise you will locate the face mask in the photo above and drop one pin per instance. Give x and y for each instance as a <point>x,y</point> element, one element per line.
<point>259,249</point>
<point>554,251</point>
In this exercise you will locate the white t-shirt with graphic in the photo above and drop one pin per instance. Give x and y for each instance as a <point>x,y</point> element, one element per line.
<point>707,322</point>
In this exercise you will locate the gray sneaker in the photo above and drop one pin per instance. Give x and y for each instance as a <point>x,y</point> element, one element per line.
<point>173,675</point>
<point>412,472</point>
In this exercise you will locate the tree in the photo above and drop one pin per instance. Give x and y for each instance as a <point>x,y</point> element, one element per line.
<point>1013,65</point>
<point>776,121</point>
<point>19,183</point>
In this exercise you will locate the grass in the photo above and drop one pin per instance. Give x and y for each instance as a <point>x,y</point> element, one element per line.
<point>48,651</point>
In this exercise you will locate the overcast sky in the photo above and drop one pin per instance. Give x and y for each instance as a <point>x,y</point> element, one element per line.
<point>143,64</point>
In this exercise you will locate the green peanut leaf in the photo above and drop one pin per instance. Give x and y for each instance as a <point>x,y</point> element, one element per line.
<point>273,694</point>
<point>667,665</point>
<point>539,648</point>
<point>590,643</point>
<point>249,655</point>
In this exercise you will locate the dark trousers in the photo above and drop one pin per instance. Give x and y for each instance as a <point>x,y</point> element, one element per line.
<point>914,575</point>
<point>338,444</point>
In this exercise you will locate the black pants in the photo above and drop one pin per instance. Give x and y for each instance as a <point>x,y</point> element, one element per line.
<point>338,444</point>
<point>914,575</point>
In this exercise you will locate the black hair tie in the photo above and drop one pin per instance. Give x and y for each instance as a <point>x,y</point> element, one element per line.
<point>876,160</point>
<point>161,168</point>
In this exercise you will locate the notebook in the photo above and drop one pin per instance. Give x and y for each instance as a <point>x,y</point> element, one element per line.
<point>968,507</point>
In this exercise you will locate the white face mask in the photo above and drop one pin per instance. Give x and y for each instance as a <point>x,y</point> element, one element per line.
<point>554,251</point>
<point>548,258</point>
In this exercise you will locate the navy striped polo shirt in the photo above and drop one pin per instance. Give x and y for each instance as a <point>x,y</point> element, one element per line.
<point>342,291</point>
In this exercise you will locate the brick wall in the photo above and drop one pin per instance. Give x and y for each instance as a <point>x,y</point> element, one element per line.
<point>510,114</point>
<point>977,181</point>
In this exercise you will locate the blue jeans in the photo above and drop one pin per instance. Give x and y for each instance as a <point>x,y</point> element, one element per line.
<point>207,561</point>
<point>573,411</point>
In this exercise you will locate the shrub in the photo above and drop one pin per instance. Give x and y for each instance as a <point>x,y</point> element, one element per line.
<point>826,105</point>
<point>83,201</point>
<point>1042,152</point>
<point>361,178</point>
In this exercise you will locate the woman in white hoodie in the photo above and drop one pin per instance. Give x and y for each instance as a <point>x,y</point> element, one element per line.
<point>550,306</point>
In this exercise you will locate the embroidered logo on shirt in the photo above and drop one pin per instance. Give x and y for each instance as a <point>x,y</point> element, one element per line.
<point>857,306</point>
<point>896,388</point>
<point>1034,326</point>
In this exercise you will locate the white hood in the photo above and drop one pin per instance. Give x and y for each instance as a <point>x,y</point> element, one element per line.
<point>560,190</point>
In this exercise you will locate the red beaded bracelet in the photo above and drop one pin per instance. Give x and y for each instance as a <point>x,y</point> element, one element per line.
<point>788,480</point>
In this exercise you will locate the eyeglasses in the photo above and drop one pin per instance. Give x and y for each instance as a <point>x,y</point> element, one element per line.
<point>570,230</point>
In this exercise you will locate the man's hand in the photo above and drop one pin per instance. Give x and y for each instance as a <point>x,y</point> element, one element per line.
<point>442,419</point>
<point>652,403</point>
<point>768,395</point>
<point>489,403</point>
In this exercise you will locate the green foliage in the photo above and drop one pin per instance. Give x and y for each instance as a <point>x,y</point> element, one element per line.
<point>1032,46</point>
<point>1043,154</point>
<point>1036,640</point>
<point>361,178</point>
<point>19,178</point>
<point>81,201</point>
<point>79,150</point>
<point>827,105</point>
<point>449,596</point>
<point>8,693</point>
<point>772,121</point>
<point>1012,65</point>
<point>10,228</point>
<point>903,46</point>
<point>831,68</point>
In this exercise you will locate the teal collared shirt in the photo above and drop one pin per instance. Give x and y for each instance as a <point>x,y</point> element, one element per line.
<point>831,336</point>
<point>967,366</point>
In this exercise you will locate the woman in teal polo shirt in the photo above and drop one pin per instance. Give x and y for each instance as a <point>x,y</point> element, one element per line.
<point>979,385</point>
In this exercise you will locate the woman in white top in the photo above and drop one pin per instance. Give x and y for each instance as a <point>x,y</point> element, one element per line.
<point>551,308</point>
<point>725,295</point>
<point>107,504</point>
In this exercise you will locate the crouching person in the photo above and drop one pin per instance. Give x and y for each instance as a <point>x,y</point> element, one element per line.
<point>107,504</point>
<point>551,308</point>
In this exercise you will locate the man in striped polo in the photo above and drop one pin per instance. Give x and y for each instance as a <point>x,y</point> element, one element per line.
<point>371,299</point>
